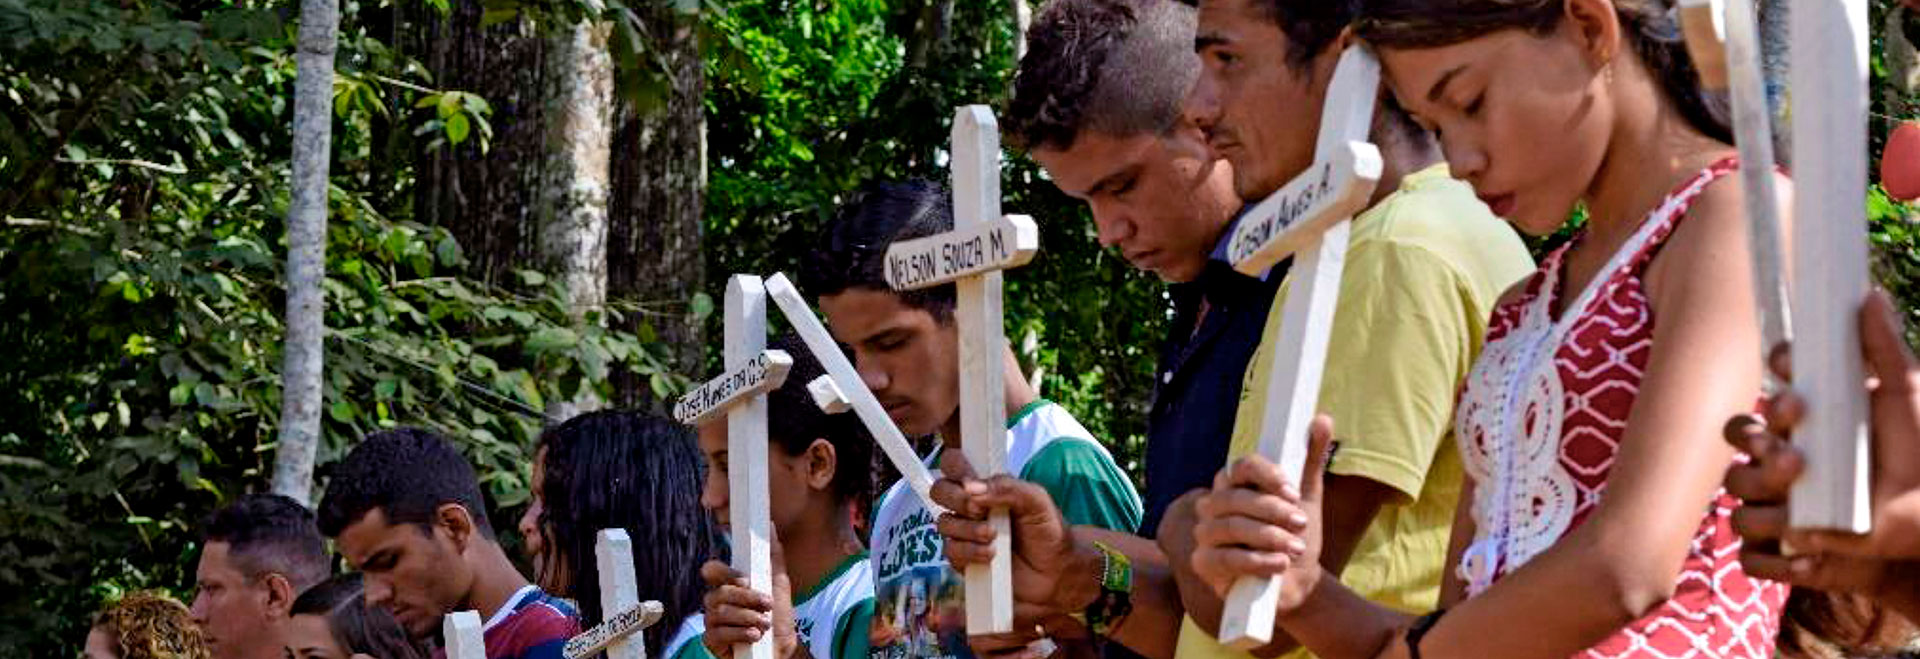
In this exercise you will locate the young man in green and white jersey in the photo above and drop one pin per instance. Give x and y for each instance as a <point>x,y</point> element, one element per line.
<point>906,347</point>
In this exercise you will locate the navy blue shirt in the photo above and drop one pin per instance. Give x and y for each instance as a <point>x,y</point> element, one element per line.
<point>1197,384</point>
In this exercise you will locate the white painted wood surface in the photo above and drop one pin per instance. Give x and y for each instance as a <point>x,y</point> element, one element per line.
<point>462,633</point>
<point>619,596</point>
<point>1293,383</point>
<point>835,363</point>
<point>828,396</point>
<point>983,342</point>
<point>763,373</point>
<point>751,523</point>
<point>997,244</point>
<point>1829,82</point>
<point>1295,216</point>
<point>624,627</point>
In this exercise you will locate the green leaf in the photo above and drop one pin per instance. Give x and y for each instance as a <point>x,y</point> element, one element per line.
<point>448,252</point>
<point>457,128</point>
<point>492,17</point>
<point>342,411</point>
<point>702,306</point>
<point>551,339</point>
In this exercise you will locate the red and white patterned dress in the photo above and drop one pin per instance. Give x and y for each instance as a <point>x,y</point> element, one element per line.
<point>1539,424</point>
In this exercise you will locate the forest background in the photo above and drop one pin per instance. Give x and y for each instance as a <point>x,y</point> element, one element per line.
<point>144,161</point>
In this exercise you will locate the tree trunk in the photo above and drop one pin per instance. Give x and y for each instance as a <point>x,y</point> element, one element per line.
<point>574,185</point>
<point>306,249</point>
<point>659,196</point>
<point>1022,19</point>
<point>486,201</point>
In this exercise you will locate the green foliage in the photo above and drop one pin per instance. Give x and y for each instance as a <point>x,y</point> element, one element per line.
<point>141,291</point>
<point>808,101</point>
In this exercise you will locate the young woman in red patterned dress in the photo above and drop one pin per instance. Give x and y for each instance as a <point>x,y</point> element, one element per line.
<point>1593,523</point>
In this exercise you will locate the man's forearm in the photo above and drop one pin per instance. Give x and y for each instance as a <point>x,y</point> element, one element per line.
<point>1153,627</point>
<point>1198,599</point>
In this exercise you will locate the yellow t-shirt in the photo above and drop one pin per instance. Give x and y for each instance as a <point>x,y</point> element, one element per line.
<point>1424,268</point>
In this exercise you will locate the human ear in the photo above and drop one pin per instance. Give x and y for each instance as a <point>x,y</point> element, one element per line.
<point>822,462</point>
<point>280,595</point>
<point>1594,26</point>
<point>457,522</point>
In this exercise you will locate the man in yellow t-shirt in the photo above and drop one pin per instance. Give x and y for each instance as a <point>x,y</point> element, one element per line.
<point>1424,268</point>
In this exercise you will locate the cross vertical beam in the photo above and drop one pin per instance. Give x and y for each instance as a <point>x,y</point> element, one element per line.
<point>983,341</point>
<point>1309,219</point>
<point>1829,78</point>
<point>464,639</point>
<point>751,523</point>
<point>619,589</point>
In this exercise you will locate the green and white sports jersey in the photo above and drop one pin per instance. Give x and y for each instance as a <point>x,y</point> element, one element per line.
<point>833,618</point>
<point>686,642</point>
<point>920,605</point>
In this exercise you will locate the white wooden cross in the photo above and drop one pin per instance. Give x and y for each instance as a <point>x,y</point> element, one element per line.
<point>829,396</point>
<point>752,370</point>
<point>971,256</point>
<point>462,634</point>
<point>1829,82</point>
<point>1308,219</point>
<point>844,384</point>
<point>624,615</point>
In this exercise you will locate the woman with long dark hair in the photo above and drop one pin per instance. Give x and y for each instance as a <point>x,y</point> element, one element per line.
<point>631,471</point>
<point>333,621</point>
<point>1593,523</point>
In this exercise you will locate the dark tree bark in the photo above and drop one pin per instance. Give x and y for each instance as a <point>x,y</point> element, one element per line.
<point>659,196</point>
<point>487,201</point>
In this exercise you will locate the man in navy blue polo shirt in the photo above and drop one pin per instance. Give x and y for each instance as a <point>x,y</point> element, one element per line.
<point>1097,102</point>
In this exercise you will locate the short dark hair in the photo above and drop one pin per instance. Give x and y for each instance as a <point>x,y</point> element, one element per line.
<point>270,533</point>
<point>1310,25</point>
<point>798,421</point>
<point>1120,67</point>
<point>357,627</point>
<point>407,474</point>
<point>852,250</point>
<point>634,471</point>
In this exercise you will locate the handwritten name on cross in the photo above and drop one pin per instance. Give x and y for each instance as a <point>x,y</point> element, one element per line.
<point>625,615</point>
<point>846,384</point>
<point>975,272</point>
<point>765,372</point>
<point>746,409</point>
<point>1308,219</point>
